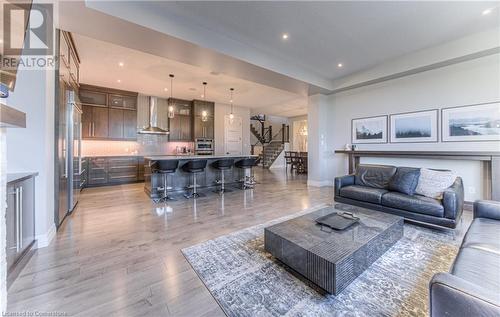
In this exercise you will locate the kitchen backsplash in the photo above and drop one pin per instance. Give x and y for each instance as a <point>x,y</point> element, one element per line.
<point>145,145</point>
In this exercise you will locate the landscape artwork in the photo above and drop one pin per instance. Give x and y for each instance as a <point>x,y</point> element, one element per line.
<point>471,123</point>
<point>421,126</point>
<point>369,130</point>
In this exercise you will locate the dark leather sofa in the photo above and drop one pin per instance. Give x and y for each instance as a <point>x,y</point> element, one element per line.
<point>370,188</point>
<point>472,288</point>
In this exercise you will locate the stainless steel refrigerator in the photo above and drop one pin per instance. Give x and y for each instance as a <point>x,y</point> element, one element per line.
<point>69,151</point>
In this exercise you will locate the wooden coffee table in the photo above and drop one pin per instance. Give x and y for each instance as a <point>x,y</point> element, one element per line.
<point>328,258</point>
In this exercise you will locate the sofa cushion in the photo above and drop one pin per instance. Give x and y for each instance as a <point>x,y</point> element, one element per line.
<point>363,193</point>
<point>376,176</point>
<point>415,203</point>
<point>478,267</point>
<point>405,180</point>
<point>483,234</point>
<point>432,183</point>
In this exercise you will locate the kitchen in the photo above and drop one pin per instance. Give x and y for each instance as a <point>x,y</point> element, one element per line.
<point>114,135</point>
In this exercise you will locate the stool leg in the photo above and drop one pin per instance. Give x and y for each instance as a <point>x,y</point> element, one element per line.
<point>165,195</point>
<point>195,194</point>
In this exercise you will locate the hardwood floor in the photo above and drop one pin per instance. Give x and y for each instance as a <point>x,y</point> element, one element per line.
<point>119,253</point>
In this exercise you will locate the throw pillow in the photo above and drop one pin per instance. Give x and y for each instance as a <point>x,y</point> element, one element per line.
<point>432,183</point>
<point>405,180</point>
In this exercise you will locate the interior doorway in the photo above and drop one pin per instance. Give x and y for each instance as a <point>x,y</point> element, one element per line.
<point>233,134</point>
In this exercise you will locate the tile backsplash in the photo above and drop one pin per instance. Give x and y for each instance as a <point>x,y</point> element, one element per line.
<point>145,145</point>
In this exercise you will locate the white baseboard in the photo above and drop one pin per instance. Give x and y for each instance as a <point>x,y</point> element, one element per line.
<point>314,183</point>
<point>43,240</point>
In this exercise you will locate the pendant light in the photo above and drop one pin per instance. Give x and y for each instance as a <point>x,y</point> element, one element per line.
<point>231,115</point>
<point>171,113</point>
<point>204,113</point>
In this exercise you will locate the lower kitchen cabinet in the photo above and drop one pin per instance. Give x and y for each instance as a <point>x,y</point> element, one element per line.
<point>20,223</point>
<point>114,170</point>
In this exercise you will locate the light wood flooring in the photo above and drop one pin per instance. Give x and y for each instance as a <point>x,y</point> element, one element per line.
<point>118,254</point>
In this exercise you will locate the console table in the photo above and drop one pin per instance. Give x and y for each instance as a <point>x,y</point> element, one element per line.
<point>492,160</point>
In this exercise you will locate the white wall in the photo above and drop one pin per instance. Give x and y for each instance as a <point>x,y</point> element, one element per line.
<point>470,82</point>
<point>32,148</point>
<point>221,110</point>
<point>3,207</point>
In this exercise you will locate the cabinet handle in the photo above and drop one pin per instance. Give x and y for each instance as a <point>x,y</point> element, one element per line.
<point>20,217</point>
<point>17,219</point>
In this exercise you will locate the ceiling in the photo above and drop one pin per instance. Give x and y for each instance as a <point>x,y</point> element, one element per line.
<point>149,74</point>
<point>322,34</point>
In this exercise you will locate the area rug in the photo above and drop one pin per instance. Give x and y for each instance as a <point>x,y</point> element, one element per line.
<point>247,281</point>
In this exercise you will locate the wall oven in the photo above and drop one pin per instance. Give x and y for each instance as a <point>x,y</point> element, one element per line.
<point>204,146</point>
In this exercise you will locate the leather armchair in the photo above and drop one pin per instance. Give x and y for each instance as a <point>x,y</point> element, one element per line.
<point>343,181</point>
<point>487,209</point>
<point>453,199</point>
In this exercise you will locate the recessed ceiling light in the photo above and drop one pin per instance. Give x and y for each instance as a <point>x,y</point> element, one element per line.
<point>487,11</point>
<point>202,95</point>
<point>165,89</point>
<point>192,89</point>
<point>339,65</point>
<point>119,81</point>
<point>284,36</point>
<point>120,64</point>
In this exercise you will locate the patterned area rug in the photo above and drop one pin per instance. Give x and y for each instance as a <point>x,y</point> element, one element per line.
<point>247,281</point>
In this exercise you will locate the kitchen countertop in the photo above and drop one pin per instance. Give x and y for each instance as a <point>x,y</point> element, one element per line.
<point>192,157</point>
<point>19,176</point>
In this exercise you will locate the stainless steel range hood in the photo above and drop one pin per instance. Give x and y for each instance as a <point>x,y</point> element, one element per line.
<point>153,128</point>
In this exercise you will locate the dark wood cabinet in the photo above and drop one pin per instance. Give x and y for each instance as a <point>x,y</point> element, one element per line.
<point>115,124</point>
<point>129,124</point>
<point>115,170</point>
<point>99,122</point>
<point>203,129</point>
<point>200,106</point>
<point>108,113</point>
<point>94,122</point>
<point>122,101</point>
<point>181,126</point>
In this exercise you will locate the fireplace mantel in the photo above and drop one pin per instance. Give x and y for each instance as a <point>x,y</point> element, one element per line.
<point>492,159</point>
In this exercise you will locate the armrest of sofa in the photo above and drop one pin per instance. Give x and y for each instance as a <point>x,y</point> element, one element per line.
<point>487,209</point>
<point>343,181</point>
<point>453,296</point>
<point>453,200</point>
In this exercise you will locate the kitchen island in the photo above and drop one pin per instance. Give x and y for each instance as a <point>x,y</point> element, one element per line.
<point>179,180</point>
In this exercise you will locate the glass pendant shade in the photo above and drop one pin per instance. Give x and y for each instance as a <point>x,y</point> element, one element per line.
<point>171,112</point>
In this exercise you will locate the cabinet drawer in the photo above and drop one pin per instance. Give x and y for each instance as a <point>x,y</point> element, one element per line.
<point>122,169</point>
<point>120,177</point>
<point>122,161</point>
<point>97,178</point>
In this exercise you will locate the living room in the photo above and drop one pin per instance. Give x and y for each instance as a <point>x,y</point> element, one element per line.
<point>392,207</point>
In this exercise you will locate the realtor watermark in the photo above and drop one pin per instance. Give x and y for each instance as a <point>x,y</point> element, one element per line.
<point>34,313</point>
<point>28,36</point>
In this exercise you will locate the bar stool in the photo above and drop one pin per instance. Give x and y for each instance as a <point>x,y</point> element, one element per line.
<point>223,165</point>
<point>194,167</point>
<point>164,168</point>
<point>246,164</point>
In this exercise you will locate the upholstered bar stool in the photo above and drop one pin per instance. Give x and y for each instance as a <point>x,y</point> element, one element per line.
<point>223,165</point>
<point>194,167</point>
<point>164,168</point>
<point>247,164</point>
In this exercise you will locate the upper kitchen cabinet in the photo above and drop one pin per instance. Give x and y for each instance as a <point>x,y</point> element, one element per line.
<point>180,126</point>
<point>93,98</point>
<point>69,62</point>
<point>122,101</point>
<point>200,106</point>
<point>203,126</point>
<point>108,114</point>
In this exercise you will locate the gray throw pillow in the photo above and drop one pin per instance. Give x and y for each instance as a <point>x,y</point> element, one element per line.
<point>405,180</point>
<point>432,183</point>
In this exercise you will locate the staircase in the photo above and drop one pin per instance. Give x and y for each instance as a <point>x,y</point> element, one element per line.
<point>270,149</point>
<point>271,152</point>
<point>257,134</point>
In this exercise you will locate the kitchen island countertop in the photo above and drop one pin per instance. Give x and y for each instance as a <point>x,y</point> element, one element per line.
<point>193,157</point>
